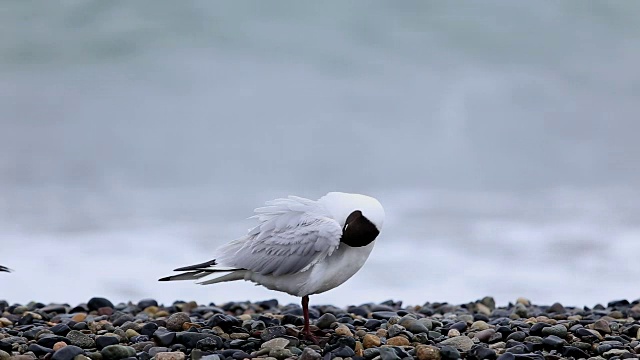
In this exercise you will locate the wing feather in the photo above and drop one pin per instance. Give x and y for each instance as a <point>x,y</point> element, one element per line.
<point>293,235</point>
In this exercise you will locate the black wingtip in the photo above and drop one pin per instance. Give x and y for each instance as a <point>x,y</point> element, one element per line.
<point>202,266</point>
<point>168,278</point>
<point>4,268</point>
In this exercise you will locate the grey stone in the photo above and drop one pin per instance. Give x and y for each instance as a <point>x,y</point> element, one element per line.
<point>67,353</point>
<point>280,353</point>
<point>277,343</point>
<point>557,330</point>
<point>387,353</point>
<point>116,352</point>
<point>326,320</point>
<point>309,354</point>
<point>157,349</point>
<point>462,343</point>
<point>81,340</point>
<point>175,321</point>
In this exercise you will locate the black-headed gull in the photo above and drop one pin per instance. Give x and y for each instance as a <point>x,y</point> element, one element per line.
<point>300,246</point>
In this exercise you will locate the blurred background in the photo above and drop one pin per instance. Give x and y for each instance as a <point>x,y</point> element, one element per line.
<point>501,137</point>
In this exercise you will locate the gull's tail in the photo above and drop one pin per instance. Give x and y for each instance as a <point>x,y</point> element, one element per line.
<point>198,271</point>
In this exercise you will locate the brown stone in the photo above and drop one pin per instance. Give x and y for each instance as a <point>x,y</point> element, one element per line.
<point>343,330</point>
<point>359,349</point>
<point>59,345</point>
<point>602,326</point>
<point>398,341</point>
<point>453,333</point>
<point>151,309</point>
<point>188,325</point>
<point>79,317</point>
<point>485,335</point>
<point>370,341</point>
<point>427,352</point>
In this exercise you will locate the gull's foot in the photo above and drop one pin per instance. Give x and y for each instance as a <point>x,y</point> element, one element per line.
<point>316,340</point>
<point>310,336</point>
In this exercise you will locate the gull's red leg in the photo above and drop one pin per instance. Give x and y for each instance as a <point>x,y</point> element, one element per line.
<point>305,313</point>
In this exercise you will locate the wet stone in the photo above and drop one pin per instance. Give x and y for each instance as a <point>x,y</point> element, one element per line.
<point>145,303</point>
<point>81,340</point>
<point>170,356</point>
<point>175,321</point>
<point>427,352</point>
<point>553,341</point>
<point>163,337</point>
<point>60,329</point>
<point>117,352</point>
<point>67,353</point>
<point>39,350</point>
<point>326,320</point>
<point>574,352</point>
<point>557,308</point>
<point>557,330</point>
<point>97,303</point>
<point>449,353</point>
<point>383,315</point>
<point>273,332</point>
<point>309,354</point>
<point>388,354</point>
<point>462,343</point>
<point>602,326</point>
<point>485,335</point>
<point>482,353</point>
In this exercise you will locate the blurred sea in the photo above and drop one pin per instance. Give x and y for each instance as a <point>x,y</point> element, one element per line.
<point>501,137</point>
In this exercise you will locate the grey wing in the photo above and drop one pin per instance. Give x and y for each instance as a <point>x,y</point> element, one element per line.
<point>288,243</point>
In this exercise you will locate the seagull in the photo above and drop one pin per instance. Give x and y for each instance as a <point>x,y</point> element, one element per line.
<point>300,246</point>
<point>4,268</point>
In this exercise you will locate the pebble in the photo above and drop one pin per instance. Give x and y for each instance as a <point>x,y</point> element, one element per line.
<point>482,353</point>
<point>175,321</point>
<point>326,320</point>
<point>98,303</point>
<point>398,341</point>
<point>557,330</point>
<point>280,353</point>
<point>116,352</point>
<point>388,354</point>
<point>309,354</point>
<point>59,345</point>
<point>67,353</point>
<point>462,343</point>
<point>277,343</point>
<point>602,326</point>
<point>81,340</point>
<point>369,341</point>
<point>170,356</point>
<point>485,335</point>
<point>343,330</point>
<point>449,353</point>
<point>427,352</point>
<point>479,325</point>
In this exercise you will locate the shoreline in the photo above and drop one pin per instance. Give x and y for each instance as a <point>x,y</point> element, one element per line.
<point>100,330</point>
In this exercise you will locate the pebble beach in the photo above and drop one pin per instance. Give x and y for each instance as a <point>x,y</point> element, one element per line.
<point>100,330</point>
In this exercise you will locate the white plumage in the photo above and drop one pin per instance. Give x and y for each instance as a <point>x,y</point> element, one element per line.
<point>300,246</point>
